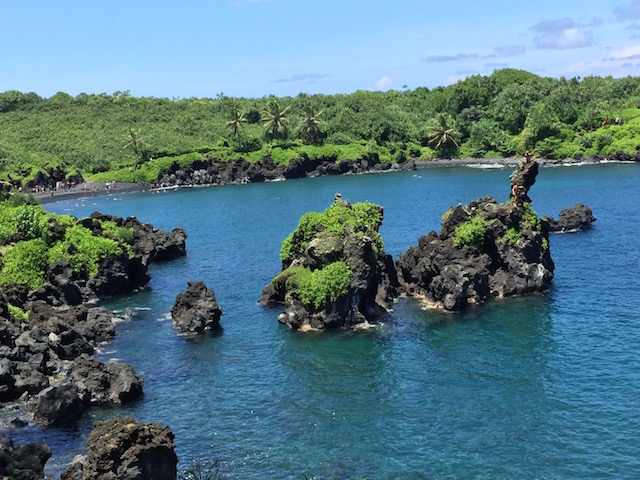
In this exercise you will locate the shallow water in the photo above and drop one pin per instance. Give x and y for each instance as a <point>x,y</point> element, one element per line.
<point>545,386</point>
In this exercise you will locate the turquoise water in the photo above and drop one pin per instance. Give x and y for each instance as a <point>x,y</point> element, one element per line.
<point>546,386</point>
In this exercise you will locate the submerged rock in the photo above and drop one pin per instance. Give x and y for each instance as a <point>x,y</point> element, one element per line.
<point>335,272</point>
<point>196,310</point>
<point>484,249</point>
<point>572,219</point>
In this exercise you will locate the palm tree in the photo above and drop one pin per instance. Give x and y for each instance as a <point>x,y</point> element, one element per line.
<point>443,134</point>
<point>236,121</point>
<point>274,120</point>
<point>310,127</point>
<point>133,140</point>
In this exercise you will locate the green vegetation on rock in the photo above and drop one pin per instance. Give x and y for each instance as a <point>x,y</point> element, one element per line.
<point>360,218</point>
<point>18,313</point>
<point>470,233</point>
<point>32,239</point>
<point>319,287</point>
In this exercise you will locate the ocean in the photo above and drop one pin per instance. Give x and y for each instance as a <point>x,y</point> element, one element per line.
<point>540,386</point>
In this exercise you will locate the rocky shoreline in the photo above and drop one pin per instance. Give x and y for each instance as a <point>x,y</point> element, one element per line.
<point>46,365</point>
<point>214,172</point>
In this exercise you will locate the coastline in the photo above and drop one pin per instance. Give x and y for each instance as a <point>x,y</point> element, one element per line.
<point>89,189</point>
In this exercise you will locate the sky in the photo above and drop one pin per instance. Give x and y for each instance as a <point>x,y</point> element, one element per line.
<point>256,48</point>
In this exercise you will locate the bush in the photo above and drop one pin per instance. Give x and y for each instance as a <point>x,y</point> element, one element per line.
<point>361,218</point>
<point>83,250</point>
<point>26,264</point>
<point>512,237</point>
<point>470,233</point>
<point>530,220</point>
<point>325,285</point>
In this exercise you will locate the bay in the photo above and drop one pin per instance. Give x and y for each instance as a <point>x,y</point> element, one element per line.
<point>543,386</point>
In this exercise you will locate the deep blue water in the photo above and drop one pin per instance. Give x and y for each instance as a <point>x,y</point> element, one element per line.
<point>545,386</point>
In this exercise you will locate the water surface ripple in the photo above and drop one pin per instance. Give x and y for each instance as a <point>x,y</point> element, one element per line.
<point>546,386</point>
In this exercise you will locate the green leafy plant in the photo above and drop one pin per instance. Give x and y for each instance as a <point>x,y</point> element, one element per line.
<point>83,250</point>
<point>470,233</point>
<point>18,313</point>
<point>530,220</point>
<point>512,237</point>
<point>26,264</point>
<point>325,285</point>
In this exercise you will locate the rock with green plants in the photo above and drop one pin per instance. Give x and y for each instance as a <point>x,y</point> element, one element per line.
<point>335,272</point>
<point>484,249</point>
<point>51,267</point>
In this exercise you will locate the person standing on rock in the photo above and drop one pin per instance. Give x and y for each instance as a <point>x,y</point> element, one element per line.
<point>522,178</point>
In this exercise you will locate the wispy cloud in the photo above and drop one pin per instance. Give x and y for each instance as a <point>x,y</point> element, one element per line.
<point>384,83</point>
<point>561,34</point>
<point>511,50</point>
<point>449,58</point>
<point>302,78</point>
<point>624,61</point>
<point>628,11</point>
<point>632,52</point>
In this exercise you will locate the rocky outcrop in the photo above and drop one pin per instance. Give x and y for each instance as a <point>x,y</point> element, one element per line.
<point>125,449</point>
<point>484,249</point>
<point>99,383</point>
<point>572,219</point>
<point>335,272</point>
<point>196,310</point>
<point>24,461</point>
<point>120,273</point>
<point>45,347</point>
<point>239,171</point>
<point>57,406</point>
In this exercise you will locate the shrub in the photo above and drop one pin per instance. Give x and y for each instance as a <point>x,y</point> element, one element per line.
<point>26,264</point>
<point>83,250</point>
<point>470,233</point>
<point>530,220</point>
<point>512,237</point>
<point>324,285</point>
<point>360,218</point>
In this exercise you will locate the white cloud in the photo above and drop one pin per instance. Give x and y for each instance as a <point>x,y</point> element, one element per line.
<point>561,34</point>
<point>629,52</point>
<point>384,83</point>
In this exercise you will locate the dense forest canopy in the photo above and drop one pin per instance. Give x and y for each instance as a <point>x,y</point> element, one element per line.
<point>500,115</point>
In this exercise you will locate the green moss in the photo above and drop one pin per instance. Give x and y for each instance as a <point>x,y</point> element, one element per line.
<point>446,215</point>
<point>325,285</point>
<point>545,244</point>
<point>470,233</point>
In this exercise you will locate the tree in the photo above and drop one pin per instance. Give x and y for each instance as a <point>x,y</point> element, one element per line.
<point>133,140</point>
<point>274,120</point>
<point>236,121</point>
<point>443,134</point>
<point>310,131</point>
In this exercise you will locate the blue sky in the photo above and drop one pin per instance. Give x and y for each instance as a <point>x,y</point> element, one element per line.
<point>253,48</point>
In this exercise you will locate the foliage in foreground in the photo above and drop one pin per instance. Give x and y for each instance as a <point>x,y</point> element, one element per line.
<point>32,239</point>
